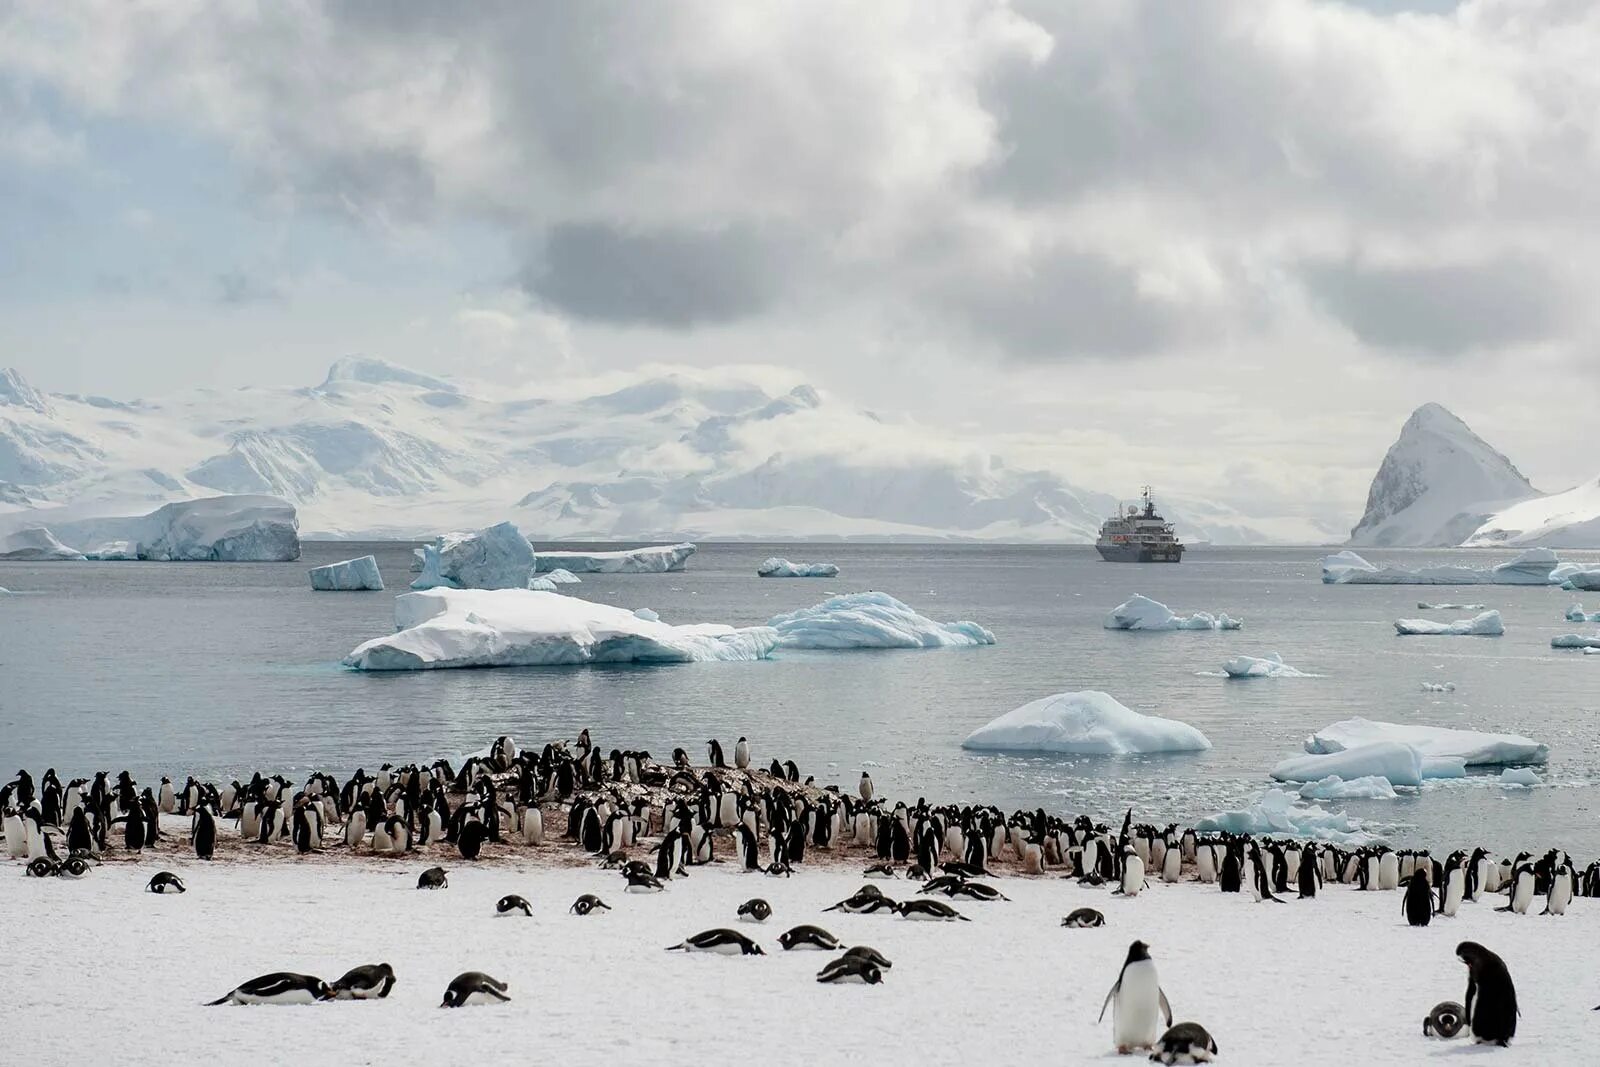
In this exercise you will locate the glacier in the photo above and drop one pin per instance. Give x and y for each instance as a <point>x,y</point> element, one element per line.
<point>35,543</point>
<point>653,560</point>
<point>114,550</point>
<point>1368,787</point>
<point>871,620</point>
<point>1472,747</point>
<point>1272,666</point>
<point>1088,723</point>
<point>776,567</point>
<point>1139,612</point>
<point>1569,519</point>
<point>495,557</point>
<point>1532,567</point>
<point>348,575</point>
<point>1486,624</point>
<point>1277,813</point>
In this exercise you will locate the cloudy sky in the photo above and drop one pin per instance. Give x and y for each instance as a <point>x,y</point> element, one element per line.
<point>1221,246</point>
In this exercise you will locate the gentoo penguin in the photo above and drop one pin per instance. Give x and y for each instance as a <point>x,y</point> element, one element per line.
<point>643,883</point>
<point>865,788</point>
<point>864,901</point>
<point>1522,883</point>
<point>755,910</point>
<point>881,870</point>
<point>1310,873</point>
<point>1137,1001</point>
<point>510,904</point>
<point>714,751</point>
<point>1083,918</point>
<point>721,941</point>
<point>850,969</point>
<point>1418,905</point>
<point>1132,873</point>
<point>1184,1043</point>
<point>741,754</point>
<point>1230,877</point>
<point>587,903</point>
<point>42,867</point>
<point>871,955</point>
<point>1444,1020</point>
<point>473,987</point>
<point>1453,887</point>
<point>370,981</point>
<point>279,987</point>
<point>1491,1001</point>
<point>168,800</point>
<point>929,911</point>
<point>1171,865</point>
<point>1555,901</point>
<point>470,841</point>
<point>165,882</point>
<point>977,891</point>
<point>73,867</point>
<point>807,936</point>
<point>433,878</point>
<point>204,834</point>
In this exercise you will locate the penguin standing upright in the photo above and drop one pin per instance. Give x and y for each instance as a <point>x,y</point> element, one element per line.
<point>204,834</point>
<point>1418,906</point>
<point>1522,884</point>
<point>1231,875</point>
<point>1138,1004</point>
<point>1310,872</point>
<point>1555,901</point>
<point>1491,1001</point>
<point>714,751</point>
<point>865,787</point>
<point>741,754</point>
<point>1453,887</point>
<point>1132,873</point>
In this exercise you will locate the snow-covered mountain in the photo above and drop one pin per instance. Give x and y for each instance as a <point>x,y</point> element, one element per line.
<point>1442,485</point>
<point>380,450</point>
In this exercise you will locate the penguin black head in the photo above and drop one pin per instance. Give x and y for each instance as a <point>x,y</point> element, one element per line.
<point>1137,951</point>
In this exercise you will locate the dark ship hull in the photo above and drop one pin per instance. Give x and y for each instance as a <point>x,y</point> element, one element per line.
<point>1141,553</point>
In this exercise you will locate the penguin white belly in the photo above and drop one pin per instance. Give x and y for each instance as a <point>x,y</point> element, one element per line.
<point>16,838</point>
<point>1136,1009</point>
<point>1454,889</point>
<point>1560,894</point>
<point>1389,871</point>
<point>1132,876</point>
<point>290,996</point>
<point>955,842</point>
<point>1482,881</point>
<point>479,998</point>
<point>1172,865</point>
<point>1205,862</point>
<point>1522,894</point>
<point>533,826</point>
<point>728,810</point>
<point>1032,859</point>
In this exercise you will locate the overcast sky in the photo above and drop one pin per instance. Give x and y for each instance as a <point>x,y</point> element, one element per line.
<point>1222,246</point>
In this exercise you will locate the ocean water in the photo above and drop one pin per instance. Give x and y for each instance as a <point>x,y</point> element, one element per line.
<point>221,669</point>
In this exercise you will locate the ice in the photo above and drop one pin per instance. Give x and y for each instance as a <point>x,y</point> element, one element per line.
<point>1438,687</point>
<point>496,557</point>
<point>441,628</point>
<point>1532,567</point>
<point>35,543</point>
<point>1399,763</point>
<point>651,560</point>
<point>228,529</point>
<point>418,558</point>
<point>1277,813</point>
<point>1486,624</point>
<point>1588,581</point>
<point>1576,614</point>
<point>541,584</point>
<point>871,620</point>
<point>1582,641</point>
<point>349,574</point>
<point>776,567</point>
<point>1084,723</point>
<point>1368,787</point>
<point>1521,776</point>
<point>1473,747</point>
<point>1423,605</point>
<point>115,550</point>
<point>1139,612</point>
<point>561,576</point>
<point>1254,667</point>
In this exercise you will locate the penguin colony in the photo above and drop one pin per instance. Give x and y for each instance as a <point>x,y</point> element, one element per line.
<point>681,816</point>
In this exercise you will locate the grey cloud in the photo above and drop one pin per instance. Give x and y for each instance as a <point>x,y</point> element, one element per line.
<point>237,288</point>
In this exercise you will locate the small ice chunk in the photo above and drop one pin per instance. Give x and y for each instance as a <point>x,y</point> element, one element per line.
<point>1400,764</point>
<point>1256,667</point>
<point>347,575</point>
<point>1276,812</point>
<point>1487,624</point>
<point>1084,723</point>
<point>871,620</point>
<point>562,576</point>
<point>1438,687</point>
<point>1519,776</point>
<point>776,567</point>
<point>646,614</point>
<point>1576,614</point>
<point>1139,612</point>
<point>418,556</point>
<point>1473,747</point>
<point>1582,641</point>
<point>1368,787</point>
<point>1588,581</point>
<point>539,583</point>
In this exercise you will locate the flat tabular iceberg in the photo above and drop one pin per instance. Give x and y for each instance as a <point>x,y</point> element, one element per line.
<point>348,575</point>
<point>1582,641</point>
<point>35,543</point>
<point>871,620</point>
<point>441,628</point>
<point>1423,605</point>
<point>1473,747</point>
<point>238,529</point>
<point>1398,763</point>
<point>1084,723</point>
<point>1139,612</point>
<point>774,567</point>
<point>496,557</point>
<point>1370,787</point>
<point>1277,813</point>
<point>1487,624</point>
<point>1255,667</point>
<point>652,560</point>
<point>1532,567</point>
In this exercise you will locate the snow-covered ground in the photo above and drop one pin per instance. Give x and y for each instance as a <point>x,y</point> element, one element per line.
<point>1337,980</point>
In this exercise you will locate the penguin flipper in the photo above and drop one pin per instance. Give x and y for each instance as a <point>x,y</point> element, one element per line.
<point>1111,993</point>
<point>225,998</point>
<point>1166,1009</point>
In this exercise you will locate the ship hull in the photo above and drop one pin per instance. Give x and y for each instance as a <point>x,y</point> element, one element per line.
<point>1140,553</point>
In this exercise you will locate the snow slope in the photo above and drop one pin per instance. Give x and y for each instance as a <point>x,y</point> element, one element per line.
<point>1560,520</point>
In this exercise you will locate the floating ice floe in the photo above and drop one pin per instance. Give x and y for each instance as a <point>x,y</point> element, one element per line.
<point>1588,581</point>
<point>1423,605</point>
<point>1276,812</point>
<point>1369,787</point>
<point>653,560</point>
<point>1576,614</point>
<point>540,584</point>
<point>35,543</point>
<point>1532,567</point>
<point>1486,624</point>
<point>1256,667</point>
<point>1592,651</point>
<point>348,575</point>
<point>1438,687</point>
<point>496,557</point>
<point>1139,612</point>
<point>1087,723</point>
<point>561,576</point>
<point>776,567</point>
<point>871,620</point>
<point>1519,776</point>
<point>440,628</point>
<point>1399,764</point>
<point>1583,641</point>
<point>114,550</point>
<point>1475,748</point>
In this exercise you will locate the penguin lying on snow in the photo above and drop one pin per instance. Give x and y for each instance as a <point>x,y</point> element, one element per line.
<point>721,941</point>
<point>165,882</point>
<point>929,910</point>
<point>1444,1020</point>
<point>1083,918</point>
<point>807,936</point>
<point>587,903</point>
<point>1137,1002</point>
<point>473,987</point>
<point>433,878</point>
<point>279,987</point>
<point>510,904</point>
<point>755,910</point>
<point>850,969</point>
<point>1184,1043</point>
<point>371,981</point>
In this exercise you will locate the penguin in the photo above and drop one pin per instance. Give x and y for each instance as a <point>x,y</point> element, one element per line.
<point>204,834</point>
<point>1083,918</point>
<point>1418,904</point>
<point>79,837</point>
<point>929,911</point>
<point>510,904</point>
<point>73,867</point>
<point>1139,1002</point>
<point>1453,887</point>
<point>1172,866</point>
<point>643,883</point>
<point>881,870</point>
<point>755,910</point>
<point>871,955</point>
<point>1230,877</point>
<point>865,787</point>
<point>714,750</point>
<point>849,968</point>
<point>1522,883</point>
<point>587,903</point>
<point>370,981</point>
<point>43,867</point>
<point>1444,1020</point>
<point>168,800</point>
<point>741,754</point>
<point>978,891</point>
<point>473,987</point>
<point>1310,874</point>
<point>1560,894</point>
<point>864,901</point>
<point>1478,875</point>
<point>1132,873</point>
<point>807,936</point>
<point>279,987</point>
<point>165,882</point>
<point>433,878</point>
<point>1491,1000</point>
<point>722,941</point>
<point>470,841</point>
<point>1184,1043</point>
<point>1205,863</point>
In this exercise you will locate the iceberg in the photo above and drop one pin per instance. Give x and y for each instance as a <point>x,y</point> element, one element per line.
<point>1088,723</point>
<point>1423,605</point>
<point>1400,764</point>
<point>1139,612</point>
<point>652,560</point>
<point>871,620</point>
<point>1369,787</point>
<point>418,556</point>
<point>349,574</point>
<point>34,543</point>
<point>225,529</point>
<point>1472,747</point>
<point>1532,567</point>
<point>541,584</point>
<point>114,550</point>
<point>1253,667</point>
<point>1438,687</point>
<point>1575,641</point>
<point>1576,614</point>
<point>1520,776</point>
<point>774,567</point>
<point>560,576</point>
<point>496,557</point>
<point>1487,624</point>
<point>1275,812</point>
<point>1588,581</point>
<point>442,628</point>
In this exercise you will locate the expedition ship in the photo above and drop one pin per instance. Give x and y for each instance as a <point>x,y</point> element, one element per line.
<point>1140,536</point>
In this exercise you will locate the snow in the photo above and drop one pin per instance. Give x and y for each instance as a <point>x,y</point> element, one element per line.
<point>871,620</point>
<point>653,560</point>
<point>349,574</point>
<point>1486,624</point>
<point>1576,614</point>
<point>1139,612</point>
<point>1084,723</point>
<point>1473,747</point>
<point>1254,667</point>
<point>114,550</point>
<point>496,557</point>
<point>1368,787</point>
<point>1531,567</point>
<point>1398,763</point>
<point>1570,519</point>
<point>440,628</point>
<point>35,543</point>
<point>1277,812</point>
<point>1582,641</point>
<point>1520,776</point>
<point>776,567</point>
